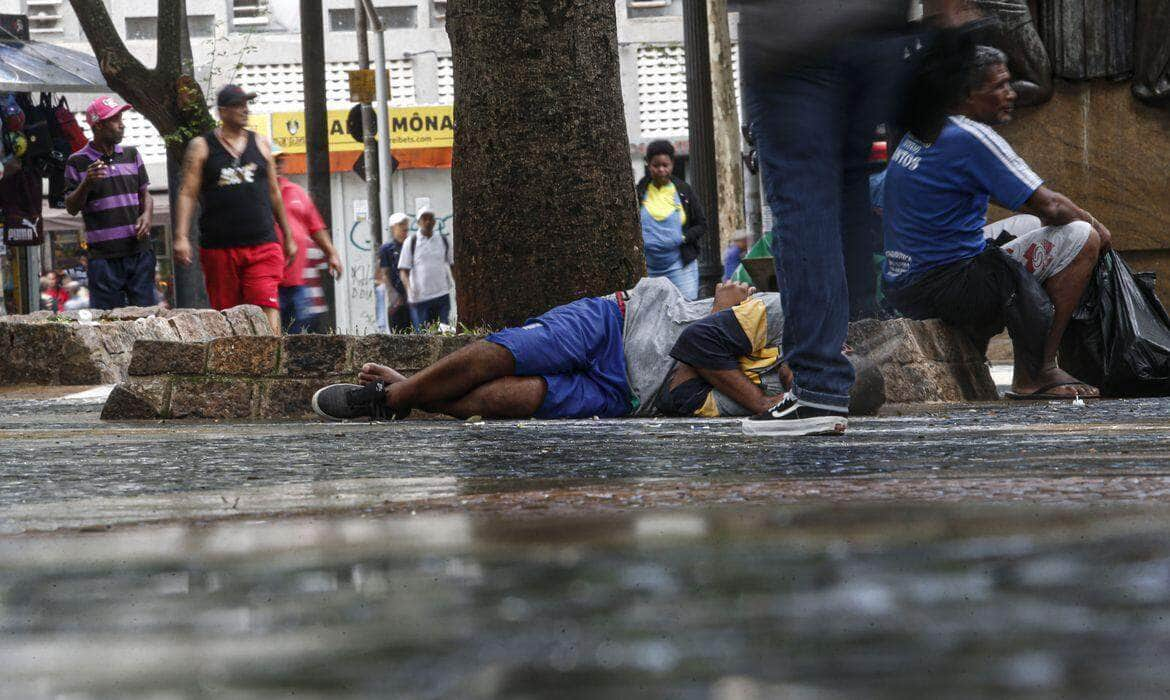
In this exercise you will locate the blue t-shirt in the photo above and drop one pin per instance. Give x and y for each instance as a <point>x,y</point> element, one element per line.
<point>388,258</point>
<point>731,259</point>
<point>936,196</point>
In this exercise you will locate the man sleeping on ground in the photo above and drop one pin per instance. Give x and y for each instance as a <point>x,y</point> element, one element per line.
<point>643,352</point>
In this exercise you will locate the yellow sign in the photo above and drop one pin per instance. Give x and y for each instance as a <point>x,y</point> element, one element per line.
<point>362,87</point>
<point>410,127</point>
<point>261,124</point>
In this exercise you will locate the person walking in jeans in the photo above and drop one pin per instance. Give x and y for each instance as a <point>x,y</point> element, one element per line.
<point>673,223</point>
<point>107,183</point>
<point>813,109</point>
<point>425,268</point>
<point>297,314</point>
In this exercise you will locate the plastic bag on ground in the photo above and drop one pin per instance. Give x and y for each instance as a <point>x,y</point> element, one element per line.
<point>1119,336</point>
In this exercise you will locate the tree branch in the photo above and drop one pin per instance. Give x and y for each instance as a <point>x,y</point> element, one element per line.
<point>167,96</point>
<point>115,60</point>
<point>174,40</point>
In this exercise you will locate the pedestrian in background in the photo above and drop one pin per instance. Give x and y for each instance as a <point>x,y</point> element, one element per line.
<point>425,268</point>
<point>107,183</point>
<point>318,305</point>
<point>733,256</point>
<point>232,173</point>
<point>307,227</point>
<point>393,310</point>
<point>673,221</point>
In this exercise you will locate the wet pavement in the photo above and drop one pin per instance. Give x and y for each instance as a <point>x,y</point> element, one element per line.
<point>973,550</point>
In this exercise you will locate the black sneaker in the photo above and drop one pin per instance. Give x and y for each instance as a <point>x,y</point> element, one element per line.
<point>349,401</point>
<point>792,418</point>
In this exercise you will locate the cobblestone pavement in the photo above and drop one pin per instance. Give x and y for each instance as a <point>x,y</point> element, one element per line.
<point>974,550</point>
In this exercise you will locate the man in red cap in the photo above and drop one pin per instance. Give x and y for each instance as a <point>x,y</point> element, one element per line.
<point>230,171</point>
<point>107,183</point>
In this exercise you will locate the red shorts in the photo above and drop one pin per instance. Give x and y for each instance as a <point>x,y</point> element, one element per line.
<point>246,275</point>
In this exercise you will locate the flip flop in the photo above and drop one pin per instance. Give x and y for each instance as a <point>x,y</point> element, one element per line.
<point>1042,395</point>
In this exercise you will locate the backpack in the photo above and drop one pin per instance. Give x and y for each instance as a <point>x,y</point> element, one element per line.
<point>446,245</point>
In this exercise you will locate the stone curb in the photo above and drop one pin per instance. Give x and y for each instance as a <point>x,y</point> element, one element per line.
<point>257,377</point>
<point>40,348</point>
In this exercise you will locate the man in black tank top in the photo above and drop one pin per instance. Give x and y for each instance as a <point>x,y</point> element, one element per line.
<point>231,172</point>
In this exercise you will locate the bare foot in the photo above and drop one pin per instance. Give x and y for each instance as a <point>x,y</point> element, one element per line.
<point>371,372</point>
<point>1054,381</point>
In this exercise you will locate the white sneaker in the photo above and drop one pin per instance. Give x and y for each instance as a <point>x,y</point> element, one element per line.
<point>793,419</point>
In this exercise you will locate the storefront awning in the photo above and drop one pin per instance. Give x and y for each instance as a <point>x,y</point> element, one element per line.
<point>33,66</point>
<point>61,220</point>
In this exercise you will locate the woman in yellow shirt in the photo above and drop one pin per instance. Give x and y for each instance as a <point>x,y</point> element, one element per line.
<point>673,221</point>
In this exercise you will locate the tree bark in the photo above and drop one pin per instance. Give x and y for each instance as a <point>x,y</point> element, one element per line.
<point>725,113</point>
<point>543,189</point>
<point>702,172</point>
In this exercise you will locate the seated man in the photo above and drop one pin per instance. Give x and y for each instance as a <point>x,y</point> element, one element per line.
<point>642,352</point>
<point>939,264</point>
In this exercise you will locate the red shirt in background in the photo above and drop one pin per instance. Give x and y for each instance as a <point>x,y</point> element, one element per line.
<point>305,220</point>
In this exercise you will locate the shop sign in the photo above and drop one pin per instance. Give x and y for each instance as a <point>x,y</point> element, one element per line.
<point>410,127</point>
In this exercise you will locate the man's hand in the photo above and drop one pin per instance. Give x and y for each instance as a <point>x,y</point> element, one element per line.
<point>1103,233</point>
<point>95,172</point>
<point>335,266</point>
<point>142,226</point>
<point>729,294</point>
<point>181,251</point>
<point>290,250</point>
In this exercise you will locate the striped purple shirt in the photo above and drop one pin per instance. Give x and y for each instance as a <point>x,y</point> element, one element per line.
<point>112,205</point>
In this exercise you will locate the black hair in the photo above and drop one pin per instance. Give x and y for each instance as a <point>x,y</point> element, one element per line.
<point>659,148</point>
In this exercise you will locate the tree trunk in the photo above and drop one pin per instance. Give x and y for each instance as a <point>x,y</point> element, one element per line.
<point>725,115</point>
<point>543,189</point>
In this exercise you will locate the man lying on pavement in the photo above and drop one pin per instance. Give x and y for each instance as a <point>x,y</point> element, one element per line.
<point>643,352</point>
<point>939,264</point>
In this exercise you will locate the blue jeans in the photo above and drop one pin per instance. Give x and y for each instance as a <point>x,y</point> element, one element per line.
<point>295,309</point>
<point>118,282</point>
<point>380,318</point>
<point>424,312</point>
<point>686,278</point>
<point>814,126</point>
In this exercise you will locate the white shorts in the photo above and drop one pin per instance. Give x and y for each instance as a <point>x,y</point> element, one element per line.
<point>1044,250</point>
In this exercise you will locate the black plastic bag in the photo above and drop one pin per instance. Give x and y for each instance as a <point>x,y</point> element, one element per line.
<point>1119,336</point>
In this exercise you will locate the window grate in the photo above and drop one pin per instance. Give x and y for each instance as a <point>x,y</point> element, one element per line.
<point>44,16</point>
<point>249,13</point>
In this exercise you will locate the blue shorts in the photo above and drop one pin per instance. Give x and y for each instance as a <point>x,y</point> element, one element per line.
<point>125,281</point>
<point>577,349</point>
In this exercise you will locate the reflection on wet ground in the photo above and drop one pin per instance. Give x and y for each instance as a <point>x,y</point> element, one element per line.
<point>972,550</point>
<point>872,601</point>
<point>59,451</point>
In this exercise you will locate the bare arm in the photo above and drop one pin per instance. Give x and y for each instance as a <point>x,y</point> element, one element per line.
<point>732,383</point>
<point>325,241</point>
<point>146,215</point>
<point>404,275</point>
<point>1054,209</point>
<point>189,183</point>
